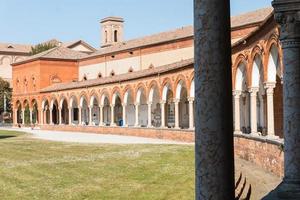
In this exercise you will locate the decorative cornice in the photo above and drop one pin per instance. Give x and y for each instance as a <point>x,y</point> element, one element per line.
<point>287,15</point>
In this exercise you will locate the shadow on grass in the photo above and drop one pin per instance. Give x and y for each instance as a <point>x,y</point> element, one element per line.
<point>7,136</point>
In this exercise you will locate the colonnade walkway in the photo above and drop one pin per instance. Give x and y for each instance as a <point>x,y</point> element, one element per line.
<point>80,137</point>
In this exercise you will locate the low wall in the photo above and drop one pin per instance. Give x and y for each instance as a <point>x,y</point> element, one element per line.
<point>181,135</point>
<point>259,150</point>
<point>264,152</point>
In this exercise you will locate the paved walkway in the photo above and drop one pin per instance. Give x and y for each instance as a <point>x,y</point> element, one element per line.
<point>79,137</point>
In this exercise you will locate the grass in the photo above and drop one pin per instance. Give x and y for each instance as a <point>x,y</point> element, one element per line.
<point>35,169</point>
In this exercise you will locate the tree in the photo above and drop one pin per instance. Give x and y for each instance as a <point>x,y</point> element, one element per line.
<point>41,47</point>
<point>6,91</point>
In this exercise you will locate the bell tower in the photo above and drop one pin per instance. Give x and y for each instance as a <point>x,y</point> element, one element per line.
<point>111,31</point>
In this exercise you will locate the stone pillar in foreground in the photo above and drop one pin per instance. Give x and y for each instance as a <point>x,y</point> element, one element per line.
<point>214,124</point>
<point>191,112</point>
<point>287,14</point>
<point>253,112</point>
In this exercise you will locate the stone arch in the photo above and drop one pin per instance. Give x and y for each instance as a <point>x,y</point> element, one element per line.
<point>84,107</point>
<point>35,113</point>
<point>19,113</point>
<point>8,58</point>
<point>46,110</point>
<point>117,107</point>
<point>128,100</point>
<point>155,100</point>
<point>54,111</point>
<point>74,106</point>
<point>192,89</point>
<point>141,106</point>
<point>241,59</point>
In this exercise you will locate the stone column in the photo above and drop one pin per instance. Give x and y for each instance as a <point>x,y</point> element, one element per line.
<point>70,115</point>
<point>90,116</point>
<point>270,109</point>
<point>191,113</point>
<point>214,125</point>
<point>51,117</point>
<point>261,111</point>
<point>176,104</point>
<point>149,114</point>
<point>15,116</point>
<point>101,115</point>
<point>60,116</point>
<point>41,116</point>
<point>79,115</point>
<point>30,116</point>
<point>112,117</point>
<point>287,14</point>
<point>136,124</point>
<point>253,112</point>
<point>163,118</point>
<point>23,116</point>
<point>124,114</point>
<point>237,114</point>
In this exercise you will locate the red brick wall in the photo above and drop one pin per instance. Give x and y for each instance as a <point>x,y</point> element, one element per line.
<point>266,154</point>
<point>169,134</point>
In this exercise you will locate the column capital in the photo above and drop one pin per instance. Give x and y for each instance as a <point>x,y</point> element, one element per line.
<point>149,102</point>
<point>137,104</point>
<point>191,99</point>
<point>163,102</point>
<point>253,89</point>
<point>269,86</point>
<point>124,104</point>
<point>236,93</point>
<point>112,105</point>
<point>287,15</point>
<point>176,101</point>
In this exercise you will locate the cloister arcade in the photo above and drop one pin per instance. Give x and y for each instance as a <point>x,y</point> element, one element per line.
<point>167,100</point>
<point>257,91</point>
<point>161,106</point>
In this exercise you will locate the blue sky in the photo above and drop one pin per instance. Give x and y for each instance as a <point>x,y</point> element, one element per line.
<point>34,21</point>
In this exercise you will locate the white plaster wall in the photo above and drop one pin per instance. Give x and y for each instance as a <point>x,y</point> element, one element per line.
<point>136,63</point>
<point>167,57</point>
<point>91,71</point>
<point>123,65</point>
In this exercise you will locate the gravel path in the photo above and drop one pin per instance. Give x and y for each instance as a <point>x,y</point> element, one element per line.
<point>79,137</point>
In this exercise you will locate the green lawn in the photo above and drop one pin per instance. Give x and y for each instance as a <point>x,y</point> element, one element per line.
<point>35,169</point>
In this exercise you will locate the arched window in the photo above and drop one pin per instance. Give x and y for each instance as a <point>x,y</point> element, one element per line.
<point>115,36</point>
<point>106,37</point>
<point>84,78</point>
<point>112,73</point>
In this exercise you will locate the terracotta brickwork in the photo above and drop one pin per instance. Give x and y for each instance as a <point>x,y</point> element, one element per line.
<point>265,153</point>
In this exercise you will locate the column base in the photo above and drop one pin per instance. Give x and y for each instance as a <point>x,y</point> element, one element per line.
<point>257,134</point>
<point>113,124</point>
<point>238,132</point>
<point>286,190</point>
<point>272,137</point>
